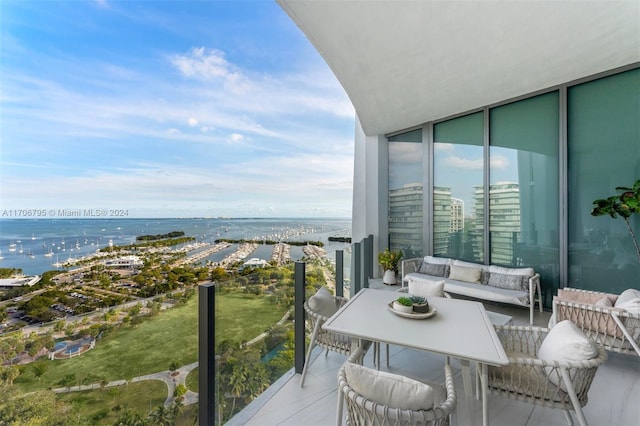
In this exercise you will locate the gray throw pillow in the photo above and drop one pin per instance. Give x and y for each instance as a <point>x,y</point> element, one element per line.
<point>509,282</point>
<point>434,269</point>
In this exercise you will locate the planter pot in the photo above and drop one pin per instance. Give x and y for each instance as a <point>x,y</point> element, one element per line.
<point>421,308</point>
<point>402,308</point>
<point>389,277</point>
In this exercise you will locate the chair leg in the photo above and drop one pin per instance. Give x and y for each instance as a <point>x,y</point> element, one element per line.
<point>308,357</point>
<point>574,398</point>
<point>567,416</point>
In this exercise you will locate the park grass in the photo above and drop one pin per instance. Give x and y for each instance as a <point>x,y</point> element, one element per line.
<point>153,345</point>
<point>104,406</point>
<point>192,381</point>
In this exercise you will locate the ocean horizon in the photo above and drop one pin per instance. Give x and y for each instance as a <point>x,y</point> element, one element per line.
<point>34,245</point>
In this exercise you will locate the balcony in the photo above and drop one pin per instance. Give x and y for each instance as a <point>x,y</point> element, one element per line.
<point>613,396</point>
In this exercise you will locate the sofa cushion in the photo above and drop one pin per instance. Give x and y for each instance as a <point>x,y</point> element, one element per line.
<point>426,288</point>
<point>323,302</point>
<point>485,292</point>
<point>393,390</point>
<point>512,271</point>
<point>470,264</point>
<point>438,270</point>
<point>511,282</point>
<point>466,274</point>
<point>438,260</point>
<point>586,297</point>
<point>565,342</point>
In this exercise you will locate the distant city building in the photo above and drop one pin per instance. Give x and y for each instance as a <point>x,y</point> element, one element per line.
<point>442,219</point>
<point>405,219</point>
<point>504,220</point>
<point>129,262</point>
<point>457,215</point>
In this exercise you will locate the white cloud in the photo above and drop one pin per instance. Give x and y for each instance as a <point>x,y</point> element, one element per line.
<point>236,137</point>
<point>444,146</point>
<point>193,122</point>
<point>463,163</point>
<point>499,162</point>
<point>173,131</point>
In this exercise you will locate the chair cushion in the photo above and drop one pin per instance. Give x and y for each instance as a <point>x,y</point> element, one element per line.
<point>426,288</point>
<point>629,300</point>
<point>393,390</point>
<point>438,260</point>
<point>437,270</point>
<point>323,302</point>
<point>466,274</point>
<point>565,342</point>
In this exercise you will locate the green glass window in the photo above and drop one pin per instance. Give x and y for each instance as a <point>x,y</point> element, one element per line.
<point>603,153</point>
<point>524,185</point>
<point>458,208</point>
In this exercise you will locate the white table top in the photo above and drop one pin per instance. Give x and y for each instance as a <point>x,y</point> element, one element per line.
<point>460,328</point>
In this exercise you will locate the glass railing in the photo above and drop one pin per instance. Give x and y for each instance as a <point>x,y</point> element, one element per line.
<point>247,360</point>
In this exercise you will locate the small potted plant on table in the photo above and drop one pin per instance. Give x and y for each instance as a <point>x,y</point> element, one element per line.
<point>403,304</point>
<point>419,304</point>
<point>389,261</point>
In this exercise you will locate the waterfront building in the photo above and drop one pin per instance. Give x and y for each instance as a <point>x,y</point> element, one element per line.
<point>124,262</point>
<point>20,281</point>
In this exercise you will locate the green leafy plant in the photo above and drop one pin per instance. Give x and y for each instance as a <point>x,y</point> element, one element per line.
<point>624,205</point>
<point>404,301</point>
<point>389,259</point>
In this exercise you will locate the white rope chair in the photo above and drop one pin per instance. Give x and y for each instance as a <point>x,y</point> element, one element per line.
<point>612,328</point>
<point>320,337</point>
<point>362,411</point>
<point>527,378</point>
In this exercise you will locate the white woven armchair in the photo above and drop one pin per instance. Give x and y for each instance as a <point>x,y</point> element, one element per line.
<point>363,411</point>
<point>615,329</point>
<point>557,384</point>
<point>320,337</point>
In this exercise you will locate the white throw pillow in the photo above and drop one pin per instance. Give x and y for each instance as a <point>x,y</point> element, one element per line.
<point>629,300</point>
<point>466,274</point>
<point>323,302</point>
<point>565,342</point>
<point>426,288</point>
<point>389,389</point>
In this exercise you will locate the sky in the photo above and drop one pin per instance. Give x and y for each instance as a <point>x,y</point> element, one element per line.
<point>168,109</point>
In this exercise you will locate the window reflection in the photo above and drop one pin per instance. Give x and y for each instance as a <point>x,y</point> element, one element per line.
<point>406,193</point>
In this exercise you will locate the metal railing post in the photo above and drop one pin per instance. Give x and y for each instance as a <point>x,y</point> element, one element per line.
<point>299,320</point>
<point>356,283</point>
<point>207,400</point>
<point>366,255</point>
<point>339,273</point>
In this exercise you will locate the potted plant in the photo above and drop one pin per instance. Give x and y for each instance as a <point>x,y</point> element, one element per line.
<point>403,304</point>
<point>624,204</point>
<point>389,260</point>
<point>419,304</point>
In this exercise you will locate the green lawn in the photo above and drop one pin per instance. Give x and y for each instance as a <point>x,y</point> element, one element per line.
<point>105,405</point>
<point>154,344</point>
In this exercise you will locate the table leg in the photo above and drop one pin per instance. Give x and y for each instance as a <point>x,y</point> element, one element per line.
<point>485,386</point>
<point>339,409</point>
<point>468,392</point>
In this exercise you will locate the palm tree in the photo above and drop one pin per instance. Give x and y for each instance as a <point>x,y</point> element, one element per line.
<point>161,416</point>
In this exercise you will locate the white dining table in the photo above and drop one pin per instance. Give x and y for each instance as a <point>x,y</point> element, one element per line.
<point>460,329</point>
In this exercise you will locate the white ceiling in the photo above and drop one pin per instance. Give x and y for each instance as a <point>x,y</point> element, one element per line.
<point>404,63</point>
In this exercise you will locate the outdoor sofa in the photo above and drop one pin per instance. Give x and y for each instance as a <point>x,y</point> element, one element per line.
<point>516,286</point>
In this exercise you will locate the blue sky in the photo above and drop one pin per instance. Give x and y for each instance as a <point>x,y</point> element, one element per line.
<point>169,109</point>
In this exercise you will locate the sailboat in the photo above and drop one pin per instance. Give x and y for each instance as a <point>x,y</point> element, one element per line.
<point>49,253</point>
<point>1,256</point>
<point>12,246</point>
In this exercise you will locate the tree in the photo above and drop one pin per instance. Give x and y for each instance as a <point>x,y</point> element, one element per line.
<point>39,369</point>
<point>624,204</point>
<point>130,418</point>
<point>161,416</point>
